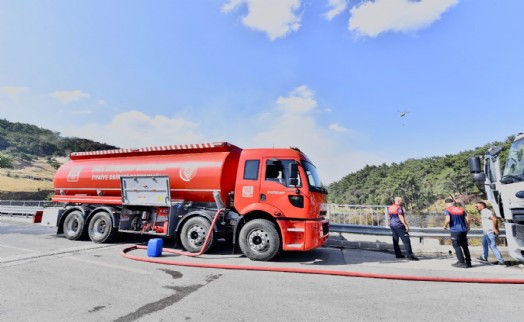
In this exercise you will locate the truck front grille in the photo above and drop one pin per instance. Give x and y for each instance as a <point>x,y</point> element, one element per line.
<point>518,233</point>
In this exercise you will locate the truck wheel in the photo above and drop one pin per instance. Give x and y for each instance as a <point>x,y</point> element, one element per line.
<point>259,240</point>
<point>194,233</point>
<point>101,228</point>
<point>74,226</point>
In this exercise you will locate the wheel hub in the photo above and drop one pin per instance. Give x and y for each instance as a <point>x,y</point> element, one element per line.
<point>73,226</point>
<point>196,235</point>
<point>100,226</point>
<point>258,240</point>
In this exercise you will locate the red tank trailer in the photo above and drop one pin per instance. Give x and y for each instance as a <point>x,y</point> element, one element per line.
<point>272,199</point>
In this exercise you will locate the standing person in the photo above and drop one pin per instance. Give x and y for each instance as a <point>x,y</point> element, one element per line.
<point>400,229</point>
<point>457,220</point>
<point>490,230</point>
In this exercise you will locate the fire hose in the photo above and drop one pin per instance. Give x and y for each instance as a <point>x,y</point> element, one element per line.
<point>125,253</point>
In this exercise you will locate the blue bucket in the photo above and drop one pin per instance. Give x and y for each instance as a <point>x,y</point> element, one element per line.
<point>154,247</point>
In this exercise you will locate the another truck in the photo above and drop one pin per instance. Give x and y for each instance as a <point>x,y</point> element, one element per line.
<point>269,199</point>
<point>505,190</point>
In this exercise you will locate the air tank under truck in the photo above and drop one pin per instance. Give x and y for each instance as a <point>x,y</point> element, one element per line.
<point>270,199</point>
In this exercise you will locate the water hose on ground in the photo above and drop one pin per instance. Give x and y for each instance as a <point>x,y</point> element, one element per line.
<point>125,252</point>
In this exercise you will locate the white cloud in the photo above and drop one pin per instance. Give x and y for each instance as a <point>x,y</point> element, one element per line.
<point>293,123</point>
<point>300,100</point>
<point>337,7</point>
<point>277,18</point>
<point>371,18</point>
<point>13,91</point>
<point>293,120</point>
<point>69,96</point>
<point>136,129</point>
<point>232,5</point>
<point>337,128</point>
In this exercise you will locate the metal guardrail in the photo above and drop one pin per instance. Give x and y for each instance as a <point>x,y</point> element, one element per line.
<point>373,220</point>
<point>413,231</point>
<point>23,207</point>
<point>369,215</point>
<point>350,219</point>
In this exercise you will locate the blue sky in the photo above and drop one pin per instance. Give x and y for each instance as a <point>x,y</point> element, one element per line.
<point>328,76</point>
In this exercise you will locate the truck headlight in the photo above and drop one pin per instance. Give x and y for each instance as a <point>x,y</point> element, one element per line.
<point>297,201</point>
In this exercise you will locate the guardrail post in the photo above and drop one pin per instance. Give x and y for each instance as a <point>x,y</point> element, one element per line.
<point>386,216</point>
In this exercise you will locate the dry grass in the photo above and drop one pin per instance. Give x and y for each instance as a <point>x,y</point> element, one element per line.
<point>28,177</point>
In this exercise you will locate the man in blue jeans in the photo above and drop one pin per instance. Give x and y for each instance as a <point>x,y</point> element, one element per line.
<point>491,231</point>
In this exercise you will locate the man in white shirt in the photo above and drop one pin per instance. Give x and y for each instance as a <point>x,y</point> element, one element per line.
<point>491,231</point>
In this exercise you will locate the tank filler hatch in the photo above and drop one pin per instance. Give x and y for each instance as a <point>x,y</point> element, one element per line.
<point>146,191</point>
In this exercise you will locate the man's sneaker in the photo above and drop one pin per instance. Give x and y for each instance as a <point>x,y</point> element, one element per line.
<point>460,264</point>
<point>482,259</point>
<point>400,256</point>
<point>412,258</point>
<point>498,263</point>
<point>468,264</point>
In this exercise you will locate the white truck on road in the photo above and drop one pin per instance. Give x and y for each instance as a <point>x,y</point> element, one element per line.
<point>505,190</point>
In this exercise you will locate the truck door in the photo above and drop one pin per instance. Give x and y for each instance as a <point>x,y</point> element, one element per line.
<point>264,181</point>
<point>248,184</point>
<point>274,188</point>
<point>493,194</point>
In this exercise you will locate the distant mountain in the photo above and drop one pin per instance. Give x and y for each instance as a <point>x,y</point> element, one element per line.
<point>18,139</point>
<point>29,156</point>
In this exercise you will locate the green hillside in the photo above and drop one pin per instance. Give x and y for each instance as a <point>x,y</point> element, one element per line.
<point>421,182</point>
<point>29,156</point>
<point>26,141</point>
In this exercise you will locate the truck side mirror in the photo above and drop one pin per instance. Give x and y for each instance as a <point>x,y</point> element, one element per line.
<point>476,170</point>
<point>479,177</point>
<point>293,171</point>
<point>474,165</point>
<point>293,174</point>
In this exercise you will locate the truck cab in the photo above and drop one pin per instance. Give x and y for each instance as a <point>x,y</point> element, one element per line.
<point>505,190</point>
<point>282,186</point>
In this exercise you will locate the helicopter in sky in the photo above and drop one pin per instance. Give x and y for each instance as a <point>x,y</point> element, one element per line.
<point>403,113</point>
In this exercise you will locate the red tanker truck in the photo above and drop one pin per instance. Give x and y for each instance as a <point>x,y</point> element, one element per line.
<point>271,199</point>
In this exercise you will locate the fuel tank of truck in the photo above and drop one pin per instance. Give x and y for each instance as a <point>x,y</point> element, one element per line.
<point>194,172</point>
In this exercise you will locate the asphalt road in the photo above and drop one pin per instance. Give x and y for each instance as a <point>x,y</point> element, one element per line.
<point>45,277</point>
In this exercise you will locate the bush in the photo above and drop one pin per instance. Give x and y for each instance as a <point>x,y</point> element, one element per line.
<point>53,162</point>
<point>6,162</point>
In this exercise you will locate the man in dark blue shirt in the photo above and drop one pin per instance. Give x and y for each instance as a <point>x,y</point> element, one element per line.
<point>457,220</point>
<point>400,229</point>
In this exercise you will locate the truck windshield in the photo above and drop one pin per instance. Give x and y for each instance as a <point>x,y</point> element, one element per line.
<point>312,177</point>
<point>514,169</point>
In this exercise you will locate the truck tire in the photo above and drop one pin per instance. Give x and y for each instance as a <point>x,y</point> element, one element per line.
<point>259,240</point>
<point>74,226</point>
<point>101,228</point>
<point>194,233</point>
